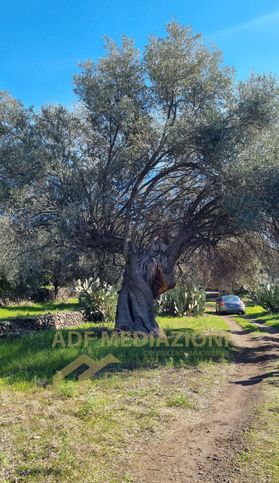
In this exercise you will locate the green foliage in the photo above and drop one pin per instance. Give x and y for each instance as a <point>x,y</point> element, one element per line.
<point>97,300</point>
<point>268,297</point>
<point>182,301</point>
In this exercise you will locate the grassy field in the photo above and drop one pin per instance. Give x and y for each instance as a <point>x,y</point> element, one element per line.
<point>189,341</point>
<point>26,309</point>
<point>258,314</point>
<point>87,431</point>
<point>206,323</point>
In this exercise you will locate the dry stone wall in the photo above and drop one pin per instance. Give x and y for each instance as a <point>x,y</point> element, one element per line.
<point>19,326</point>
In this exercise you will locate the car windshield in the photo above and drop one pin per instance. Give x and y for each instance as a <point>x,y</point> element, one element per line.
<point>231,298</point>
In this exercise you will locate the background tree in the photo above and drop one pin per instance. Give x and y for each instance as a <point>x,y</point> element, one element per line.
<point>235,263</point>
<point>144,167</point>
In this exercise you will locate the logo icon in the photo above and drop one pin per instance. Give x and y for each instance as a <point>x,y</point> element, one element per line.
<point>93,367</point>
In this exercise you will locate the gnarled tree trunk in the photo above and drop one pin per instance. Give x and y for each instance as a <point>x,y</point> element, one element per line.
<point>148,274</point>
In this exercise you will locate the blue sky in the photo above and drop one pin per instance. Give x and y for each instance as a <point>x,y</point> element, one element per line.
<point>41,42</point>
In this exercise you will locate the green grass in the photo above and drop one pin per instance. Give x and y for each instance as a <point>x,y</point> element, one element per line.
<point>88,431</point>
<point>26,309</point>
<point>258,314</point>
<point>203,323</point>
<point>189,341</point>
<point>179,400</point>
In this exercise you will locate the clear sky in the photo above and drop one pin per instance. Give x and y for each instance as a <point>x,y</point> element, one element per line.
<point>42,41</point>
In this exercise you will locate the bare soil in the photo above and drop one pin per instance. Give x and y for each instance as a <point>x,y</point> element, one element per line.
<point>205,449</point>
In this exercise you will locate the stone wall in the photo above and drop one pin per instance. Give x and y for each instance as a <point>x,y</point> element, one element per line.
<point>23,325</point>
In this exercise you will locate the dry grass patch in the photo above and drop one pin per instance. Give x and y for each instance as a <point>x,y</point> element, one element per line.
<point>89,431</point>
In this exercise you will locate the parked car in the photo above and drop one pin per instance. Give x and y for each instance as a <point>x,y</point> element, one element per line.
<point>230,304</point>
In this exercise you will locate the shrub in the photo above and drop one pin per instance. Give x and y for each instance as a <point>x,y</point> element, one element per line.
<point>97,300</point>
<point>268,297</point>
<point>182,301</point>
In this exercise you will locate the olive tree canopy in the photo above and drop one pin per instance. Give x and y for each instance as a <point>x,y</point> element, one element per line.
<point>150,164</point>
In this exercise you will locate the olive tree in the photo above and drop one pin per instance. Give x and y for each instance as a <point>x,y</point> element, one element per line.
<point>143,167</point>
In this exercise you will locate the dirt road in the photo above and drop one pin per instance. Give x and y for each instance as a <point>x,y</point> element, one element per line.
<point>205,450</point>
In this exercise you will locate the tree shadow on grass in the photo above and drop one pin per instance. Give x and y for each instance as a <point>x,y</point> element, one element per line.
<point>33,358</point>
<point>249,328</point>
<point>270,322</point>
<point>260,315</point>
